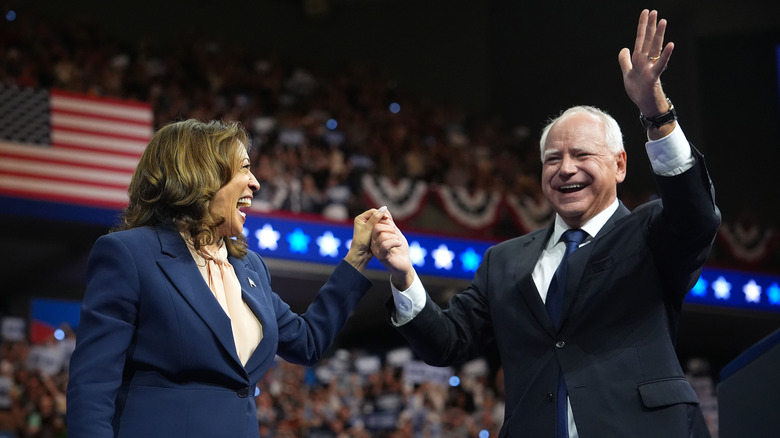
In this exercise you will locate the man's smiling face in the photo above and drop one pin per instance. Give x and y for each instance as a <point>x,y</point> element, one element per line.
<point>579,172</point>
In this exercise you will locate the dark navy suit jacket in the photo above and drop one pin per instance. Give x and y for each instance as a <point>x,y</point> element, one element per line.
<point>616,343</point>
<point>155,355</point>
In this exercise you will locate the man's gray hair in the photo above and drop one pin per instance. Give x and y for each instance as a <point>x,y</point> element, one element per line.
<point>613,134</point>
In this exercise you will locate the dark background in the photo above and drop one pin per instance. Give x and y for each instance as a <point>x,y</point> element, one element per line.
<point>516,60</point>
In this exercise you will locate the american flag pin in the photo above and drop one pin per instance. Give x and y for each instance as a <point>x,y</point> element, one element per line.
<point>251,283</point>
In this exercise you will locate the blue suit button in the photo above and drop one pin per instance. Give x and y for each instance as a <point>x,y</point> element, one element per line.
<point>243,392</point>
<point>560,344</point>
<point>549,397</point>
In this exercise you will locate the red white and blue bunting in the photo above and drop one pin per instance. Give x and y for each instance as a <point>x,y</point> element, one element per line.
<point>479,210</point>
<point>475,210</point>
<point>529,213</point>
<point>748,243</point>
<point>405,198</point>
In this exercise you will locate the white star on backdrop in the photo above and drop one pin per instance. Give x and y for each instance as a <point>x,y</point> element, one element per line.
<point>329,244</point>
<point>443,257</point>
<point>267,237</point>
<point>417,254</point>
<point>722,288</point>
<point>752,292</point>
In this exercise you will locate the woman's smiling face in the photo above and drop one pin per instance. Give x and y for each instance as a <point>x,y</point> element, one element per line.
<point>233,196</point>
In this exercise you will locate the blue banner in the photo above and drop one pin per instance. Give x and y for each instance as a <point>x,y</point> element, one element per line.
<point>443,256</point>
<point>451,257</point>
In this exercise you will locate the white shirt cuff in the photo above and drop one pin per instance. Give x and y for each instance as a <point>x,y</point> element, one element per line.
<point>408,303</point>
<point>670,155</point>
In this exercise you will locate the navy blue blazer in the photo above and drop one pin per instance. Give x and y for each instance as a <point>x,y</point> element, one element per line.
<point>155,355</point>
<point>616,343</point>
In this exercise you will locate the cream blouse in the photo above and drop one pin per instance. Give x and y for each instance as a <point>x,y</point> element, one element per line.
<point>221,279</point>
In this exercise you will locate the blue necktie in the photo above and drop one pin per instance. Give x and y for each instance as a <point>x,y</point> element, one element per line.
<point>554,304</point>
<point>554,301</point>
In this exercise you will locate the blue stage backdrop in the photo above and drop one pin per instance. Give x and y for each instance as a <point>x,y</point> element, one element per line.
<point>451,257</point>
<point>290,238</point>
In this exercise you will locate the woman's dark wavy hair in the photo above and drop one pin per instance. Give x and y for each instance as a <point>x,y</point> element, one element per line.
<point>178,174</point>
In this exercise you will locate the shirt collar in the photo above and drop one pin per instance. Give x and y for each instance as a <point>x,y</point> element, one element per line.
<point>592,227</point>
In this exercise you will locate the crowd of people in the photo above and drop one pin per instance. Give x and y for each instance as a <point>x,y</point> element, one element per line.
<point>349,394</point>
<point>314,133</point>
<point>32,398</point>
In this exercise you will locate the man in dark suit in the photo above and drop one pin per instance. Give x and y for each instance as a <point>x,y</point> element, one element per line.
<point>591,352</point>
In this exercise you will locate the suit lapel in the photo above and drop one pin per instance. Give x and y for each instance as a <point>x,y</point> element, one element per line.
<point>179,266</point>
<point>532,247</point>
<point>619,214</point>
<point>579,260</point>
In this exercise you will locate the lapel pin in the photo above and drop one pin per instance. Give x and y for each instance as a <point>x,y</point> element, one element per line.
<point>251,283</point>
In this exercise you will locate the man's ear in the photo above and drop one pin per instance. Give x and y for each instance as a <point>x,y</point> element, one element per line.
<point>620,162</point>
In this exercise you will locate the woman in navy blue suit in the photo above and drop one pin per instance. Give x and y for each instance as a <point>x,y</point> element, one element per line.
<point>179,321</point>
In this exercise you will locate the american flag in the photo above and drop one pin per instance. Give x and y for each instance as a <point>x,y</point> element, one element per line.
<point>71,148</point>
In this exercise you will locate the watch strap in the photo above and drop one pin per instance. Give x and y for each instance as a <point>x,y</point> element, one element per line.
<point>659,120</point>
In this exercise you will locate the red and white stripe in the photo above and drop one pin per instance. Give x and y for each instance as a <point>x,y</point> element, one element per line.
<point>96,144</point>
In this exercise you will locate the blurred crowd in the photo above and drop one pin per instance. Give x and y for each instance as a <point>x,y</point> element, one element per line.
<point>338,398</point>
<point>314,134</point>
<point>32,395</point>
<point>349,394</point>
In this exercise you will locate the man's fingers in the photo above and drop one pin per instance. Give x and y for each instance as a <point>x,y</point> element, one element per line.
<point>648,46</point>
<point>384,239</point>
<point>658,39</point>
<point>624,59</point>
<point>640,31</point>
